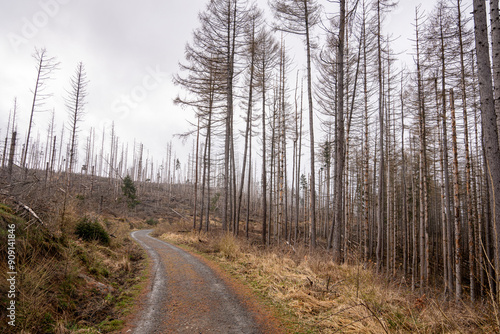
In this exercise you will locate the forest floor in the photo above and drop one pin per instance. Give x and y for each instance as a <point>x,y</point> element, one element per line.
<point>311,294</point>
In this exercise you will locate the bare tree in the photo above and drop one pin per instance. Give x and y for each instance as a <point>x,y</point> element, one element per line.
<point>203,80</point>
<point>12,116</point>
<point>267,57</point>
<point>458,254</point>
<point>255,21</point>
<point>488,116</point>
<point>495,48</point>
<point>339,140</point>
<point>381,6</point>
<point>222,23</point>
<point>44,67</point>
<point>299,17</point>
<point>423,177</point>
<point>75,102</point>
<point>470,214</point>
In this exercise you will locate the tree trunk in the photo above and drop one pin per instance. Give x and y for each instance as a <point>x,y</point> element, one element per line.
<point>339,154</point>
<point>196,175</point>
<point>447,196</point>
<point>456,188</point>
<point>264,173</point>
<point>470,214</point>
<point>381,179</point>
<point>311,131</point>
<point>495,48</point>
<point>247,132</point>
<point>424,212</point>
<point>488,118</point>
<point>403,172</point>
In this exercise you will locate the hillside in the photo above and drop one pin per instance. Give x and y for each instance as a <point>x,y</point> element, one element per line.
<point>75,272</point>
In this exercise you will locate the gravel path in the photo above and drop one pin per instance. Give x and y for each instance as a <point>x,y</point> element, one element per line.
<point>186,296</point>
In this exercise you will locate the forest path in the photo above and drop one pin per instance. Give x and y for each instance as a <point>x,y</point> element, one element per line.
<point>186,296</point>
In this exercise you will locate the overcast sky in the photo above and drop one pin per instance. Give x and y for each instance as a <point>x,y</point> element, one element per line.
<point>130,50</point>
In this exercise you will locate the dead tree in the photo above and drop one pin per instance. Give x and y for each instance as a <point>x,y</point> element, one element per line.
<point>458,254</point>
<point>339,140</point>
<point>44,66</point>
<point>488,118</point>
<point>268,49</point>
<point>299,17</point>
<point>254,25</point>
<point>75,102</point>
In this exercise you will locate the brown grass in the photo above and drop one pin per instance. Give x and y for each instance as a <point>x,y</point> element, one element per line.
<point>67,283</point>
<point>315,295</point>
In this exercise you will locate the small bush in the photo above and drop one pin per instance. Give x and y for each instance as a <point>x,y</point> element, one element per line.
<point>152,222</point>
<point>91,230</point>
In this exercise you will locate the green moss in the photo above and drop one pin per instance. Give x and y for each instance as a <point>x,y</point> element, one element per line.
<point>111,325</point>
<point>125,300</point>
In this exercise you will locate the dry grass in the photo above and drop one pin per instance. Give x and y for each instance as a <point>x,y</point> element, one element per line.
<point>61,279</point>
<point>65,283</point>
<point>316,295</point>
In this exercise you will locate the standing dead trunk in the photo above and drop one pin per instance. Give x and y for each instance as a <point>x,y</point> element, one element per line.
<point>45,66</point>
<point>196,175</point>
<point>495,48</point>
<point>75,103</point>
<point>311,128</point>
<point>252,49</point>
<point>297,168</point>
<point>247,220</point>
<point>339,133</point>
<point>456,188</point>
<point>403,172</point>
<point>424,211</point>
<point>488,119</point>
<point>381,171</point>
<point>264,172</point>
<point>470,214</point>
<point>11,154</point>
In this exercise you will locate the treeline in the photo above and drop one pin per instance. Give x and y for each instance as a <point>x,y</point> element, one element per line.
<point>403,163</point>
<point>63,148</point>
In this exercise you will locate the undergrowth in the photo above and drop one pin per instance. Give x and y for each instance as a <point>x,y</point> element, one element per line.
<point>65,284</point>
<point>91,230</point>
<point>314,295</point>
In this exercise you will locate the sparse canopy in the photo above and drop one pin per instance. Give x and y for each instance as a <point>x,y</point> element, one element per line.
<point>295,16</point>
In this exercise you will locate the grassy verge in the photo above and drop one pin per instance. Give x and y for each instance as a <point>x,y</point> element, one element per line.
<point>311,294</point>
<point>67,285</point>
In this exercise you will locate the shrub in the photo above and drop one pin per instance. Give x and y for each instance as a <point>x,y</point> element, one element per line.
<point>90,230</point>
<point>152,222</point>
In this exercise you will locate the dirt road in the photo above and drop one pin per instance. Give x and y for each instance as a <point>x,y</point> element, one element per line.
<point>187,296</point>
